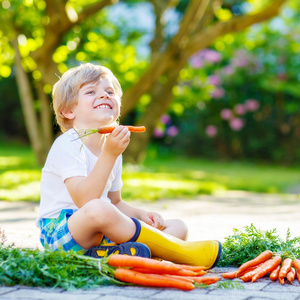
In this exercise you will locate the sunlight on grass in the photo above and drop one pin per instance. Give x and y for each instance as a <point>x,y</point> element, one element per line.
<point>157,178</point>
<point>29,191</point>
<point>153,189</point>
<point>20,184</point>
<point>13,178</point>
<point>10,161</point>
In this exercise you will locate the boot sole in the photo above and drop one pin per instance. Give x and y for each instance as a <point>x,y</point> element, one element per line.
<point>129,248</point>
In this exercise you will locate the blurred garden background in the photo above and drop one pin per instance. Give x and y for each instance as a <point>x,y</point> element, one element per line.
<point>215,82</point>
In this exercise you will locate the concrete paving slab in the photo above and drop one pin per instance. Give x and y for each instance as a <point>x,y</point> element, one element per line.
<point>207,217</point>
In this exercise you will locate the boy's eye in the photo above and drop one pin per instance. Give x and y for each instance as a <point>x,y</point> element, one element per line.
<point>90,92</point>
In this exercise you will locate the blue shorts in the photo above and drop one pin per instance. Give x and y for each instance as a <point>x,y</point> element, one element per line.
<point>55,233</point>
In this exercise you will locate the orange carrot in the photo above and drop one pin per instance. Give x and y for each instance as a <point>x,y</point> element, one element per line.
<point>249,274</point>
<point>264,256</point>
<point>267,267</point>
<point>109,129</point>
<point>296,264</point>
<point>118,260</point>
<point>206,279</point>
<point>232,275</point>
<point>200,273</point>
<point>180,272</point>
<point>229,275</point>
<point>290,276</point>
<point>281,280</point>
<point>198,279</point>
<point>298,276</point>
<point>274,273</point>
<point>285,268</point>
<point>156,280</point>
<point>185,278</point>
<point>192,268</point>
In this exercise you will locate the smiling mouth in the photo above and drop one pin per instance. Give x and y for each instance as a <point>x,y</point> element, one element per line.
<point>103,106</point>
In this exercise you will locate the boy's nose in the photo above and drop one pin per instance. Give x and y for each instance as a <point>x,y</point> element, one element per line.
<point>104,95</point>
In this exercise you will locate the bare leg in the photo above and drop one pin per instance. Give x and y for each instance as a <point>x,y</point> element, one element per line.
<point>98,218</point>
<point>176,228</point>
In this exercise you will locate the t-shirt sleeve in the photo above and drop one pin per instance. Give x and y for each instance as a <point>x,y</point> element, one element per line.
<point>117,182</point>
<point>68,159</point>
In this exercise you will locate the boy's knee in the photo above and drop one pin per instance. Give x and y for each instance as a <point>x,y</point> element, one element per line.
<point>98,210</point>
<point>177,228</point>
<point>183,230</point>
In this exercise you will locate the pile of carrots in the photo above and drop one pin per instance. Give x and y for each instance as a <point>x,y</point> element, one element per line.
<point>267,264</point>
<point>155,273</point>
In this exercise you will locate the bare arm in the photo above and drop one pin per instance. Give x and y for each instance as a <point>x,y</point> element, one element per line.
<point>152,218</point>
<point>84,189</point>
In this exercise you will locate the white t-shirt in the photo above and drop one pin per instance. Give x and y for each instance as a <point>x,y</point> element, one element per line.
<point>69,157</point>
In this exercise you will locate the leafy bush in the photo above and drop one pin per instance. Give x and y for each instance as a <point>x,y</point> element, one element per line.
<point>241,99</point>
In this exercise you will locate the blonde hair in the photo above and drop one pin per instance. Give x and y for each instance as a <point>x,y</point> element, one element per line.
<point>65,90</point>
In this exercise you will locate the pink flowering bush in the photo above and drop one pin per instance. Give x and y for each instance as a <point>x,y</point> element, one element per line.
<point>211,130</point>
<point>238,104</point>
<point>241,103</point>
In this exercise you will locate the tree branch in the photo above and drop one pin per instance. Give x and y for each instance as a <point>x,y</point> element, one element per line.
<point>91,10</point>
<point>158,39</point>
<point>60,24</point>
<point>159,9</point>
<point>206,37</point>
<point>193,15</point>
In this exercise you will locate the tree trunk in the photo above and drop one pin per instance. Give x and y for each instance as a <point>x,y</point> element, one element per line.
<point>46,119</point>
<point>161,96</point>
<point>27,102</point>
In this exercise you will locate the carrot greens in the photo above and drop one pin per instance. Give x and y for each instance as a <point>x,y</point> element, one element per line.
<point>49,269</point>
<point>245,245</point>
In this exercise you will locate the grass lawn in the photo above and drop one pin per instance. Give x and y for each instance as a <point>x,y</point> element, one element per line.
<point>156,178</point>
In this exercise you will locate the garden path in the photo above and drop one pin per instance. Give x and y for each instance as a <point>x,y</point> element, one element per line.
<point>207,217</point>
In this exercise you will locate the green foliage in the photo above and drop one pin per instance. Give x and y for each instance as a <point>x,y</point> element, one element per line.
<point>270,76</point>
<point>56,269</point>
<point>240,99</point>
<point>111,44</point>
<point>11,120</point>
<point>97,39</point>
<point>244,246</point>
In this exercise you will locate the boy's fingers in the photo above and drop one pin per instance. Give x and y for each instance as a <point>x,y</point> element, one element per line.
<point>118,129</point>
<point>125,134</point>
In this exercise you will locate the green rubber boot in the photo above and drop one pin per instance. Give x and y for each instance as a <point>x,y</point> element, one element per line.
<point>168,247</point>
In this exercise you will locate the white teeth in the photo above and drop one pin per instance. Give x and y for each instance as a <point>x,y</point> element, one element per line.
<point>103,106</point>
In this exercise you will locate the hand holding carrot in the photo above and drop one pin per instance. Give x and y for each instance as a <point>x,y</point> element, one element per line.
<point>117,141</point>
<point>110,129</point>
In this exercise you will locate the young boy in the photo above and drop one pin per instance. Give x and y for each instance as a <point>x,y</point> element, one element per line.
<point>81,205</point>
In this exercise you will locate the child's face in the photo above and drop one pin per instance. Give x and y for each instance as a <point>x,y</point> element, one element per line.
<point>98,105</point>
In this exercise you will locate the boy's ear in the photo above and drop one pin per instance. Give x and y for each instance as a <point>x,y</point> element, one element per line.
<point>69,114</point>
